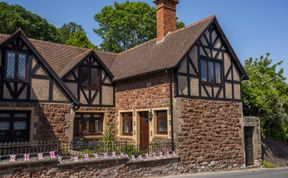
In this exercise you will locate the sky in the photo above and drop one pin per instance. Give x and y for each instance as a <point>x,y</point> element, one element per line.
<point>253,27</point>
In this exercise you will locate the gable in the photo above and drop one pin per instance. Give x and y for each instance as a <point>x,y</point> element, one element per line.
<point>95,73</point>
<point>40,84</point>
<point>210,49</point>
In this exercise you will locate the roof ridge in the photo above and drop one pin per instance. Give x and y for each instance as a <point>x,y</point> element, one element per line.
<point>193,24</point>
<point>137,46</point>
<point>58,44</point>
<point>105,52</point>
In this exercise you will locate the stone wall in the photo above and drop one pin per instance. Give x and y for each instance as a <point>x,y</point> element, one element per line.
<point>105,168</point>
<point>48,121</point>
<point>149,93</point>
<point>208,133</point>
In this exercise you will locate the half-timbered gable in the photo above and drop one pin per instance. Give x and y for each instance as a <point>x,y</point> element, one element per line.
<point>90,82</point>
<point>25,76</point>
<point>208,70</point>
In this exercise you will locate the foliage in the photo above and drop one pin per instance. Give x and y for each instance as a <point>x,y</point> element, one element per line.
<point>267,164</point>
<point>108,138</point>
<point>74,34</point>
<point>265,96</point>
<point>13,17</point>
<point>130,150</point>
<point>126,25</point>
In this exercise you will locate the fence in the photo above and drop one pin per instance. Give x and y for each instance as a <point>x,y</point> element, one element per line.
<point>79,148</point>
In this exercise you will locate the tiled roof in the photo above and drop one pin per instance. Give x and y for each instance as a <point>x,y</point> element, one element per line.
<point>152,55</point>
<point>145,58</point>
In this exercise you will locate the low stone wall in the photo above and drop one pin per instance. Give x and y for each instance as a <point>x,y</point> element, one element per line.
<point>103,168</point>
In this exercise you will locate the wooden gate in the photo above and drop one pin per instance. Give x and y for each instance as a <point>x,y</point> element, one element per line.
<point>248,133</point>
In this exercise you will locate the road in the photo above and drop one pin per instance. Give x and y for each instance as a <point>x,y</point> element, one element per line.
<point>249,173</point>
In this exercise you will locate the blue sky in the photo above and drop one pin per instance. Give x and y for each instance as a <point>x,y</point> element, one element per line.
<point>253,27</point>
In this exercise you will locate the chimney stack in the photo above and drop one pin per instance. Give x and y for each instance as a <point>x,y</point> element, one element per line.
<point>166,17</point>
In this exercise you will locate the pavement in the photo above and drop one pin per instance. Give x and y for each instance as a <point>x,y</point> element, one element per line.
<point>247,173</point>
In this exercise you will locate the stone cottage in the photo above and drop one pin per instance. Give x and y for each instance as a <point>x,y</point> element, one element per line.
<point>183,87</point>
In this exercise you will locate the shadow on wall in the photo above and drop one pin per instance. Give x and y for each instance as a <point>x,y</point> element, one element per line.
<point>275,151</point>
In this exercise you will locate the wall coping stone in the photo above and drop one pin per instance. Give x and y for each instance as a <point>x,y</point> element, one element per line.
<point>174,158</point>
<point>91,161</point>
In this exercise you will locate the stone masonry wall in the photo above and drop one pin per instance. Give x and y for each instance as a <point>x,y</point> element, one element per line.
<point>208,133</point>
<point>148,92</point>
<point>48,121</point>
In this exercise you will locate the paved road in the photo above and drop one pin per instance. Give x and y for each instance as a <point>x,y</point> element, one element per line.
<point>255,173</point>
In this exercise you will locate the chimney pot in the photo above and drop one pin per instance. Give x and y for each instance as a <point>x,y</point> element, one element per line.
<point>166,17</point>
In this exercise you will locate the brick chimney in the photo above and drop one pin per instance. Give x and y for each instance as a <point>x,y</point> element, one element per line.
<point>166,17</point>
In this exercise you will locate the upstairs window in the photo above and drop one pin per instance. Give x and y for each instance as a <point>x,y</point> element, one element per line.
<point>16,66</point>
<point>211,71</point>
<point>89,77</point>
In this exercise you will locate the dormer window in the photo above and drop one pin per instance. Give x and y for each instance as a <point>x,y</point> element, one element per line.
<point>89,77</point>
<point>16,66</point>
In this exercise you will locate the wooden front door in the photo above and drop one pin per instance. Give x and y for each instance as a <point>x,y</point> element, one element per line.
<point>248,133</point>
<point>144,131</point>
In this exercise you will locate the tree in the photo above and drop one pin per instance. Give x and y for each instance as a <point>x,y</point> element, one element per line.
<point>79,39</point>
<point>265,96</point>
<point>126,25</point>
<point>74,34</point>
<point>14,16</point>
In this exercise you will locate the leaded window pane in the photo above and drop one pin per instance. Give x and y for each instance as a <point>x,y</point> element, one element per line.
<point>218,72</point>
<point>10,67</point>
<point>211,72</point>
<point>20,125</point>
<point>203,71</point>
<point>22,66</point>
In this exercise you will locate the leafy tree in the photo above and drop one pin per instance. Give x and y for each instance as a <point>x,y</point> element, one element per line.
<point>14,16</point>
<point>74,34</point>
<point>79,39</point>
<point>126,25</point>
<point>265,96</point>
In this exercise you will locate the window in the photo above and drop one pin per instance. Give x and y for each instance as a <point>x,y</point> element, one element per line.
<point>89,77</point>
<point>211,71</point>
<point>127,127</point>
<point>161,117</point>
<point>16,66</point>
<point>14,126</point>
<point>88,124</point>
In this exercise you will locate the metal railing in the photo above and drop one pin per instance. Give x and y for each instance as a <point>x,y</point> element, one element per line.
<point>80,149</point>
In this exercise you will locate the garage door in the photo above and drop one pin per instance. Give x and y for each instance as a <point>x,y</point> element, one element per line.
<point>14,126</point>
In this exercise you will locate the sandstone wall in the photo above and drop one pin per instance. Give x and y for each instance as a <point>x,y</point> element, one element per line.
<point>208,132</point>
<point>149,93</point>
<point>48,121</point>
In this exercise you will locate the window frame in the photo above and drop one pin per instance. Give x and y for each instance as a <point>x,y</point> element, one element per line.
<point>16,65</point>
<point>214,62</point>
<point>158,132</point>
<point>98,77</point>
<point>12,119</point>
<point>123,121</point>
<point>82,119</point>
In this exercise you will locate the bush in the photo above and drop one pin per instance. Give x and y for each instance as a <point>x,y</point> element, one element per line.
<point>267,164</point>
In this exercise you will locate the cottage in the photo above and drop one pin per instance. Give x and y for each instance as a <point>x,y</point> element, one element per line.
<point>183,87</point>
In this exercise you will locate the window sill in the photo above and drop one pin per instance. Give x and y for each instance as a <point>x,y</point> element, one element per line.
<point>161,136</point>
<point>130,137</point>
<point>93,136</point>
